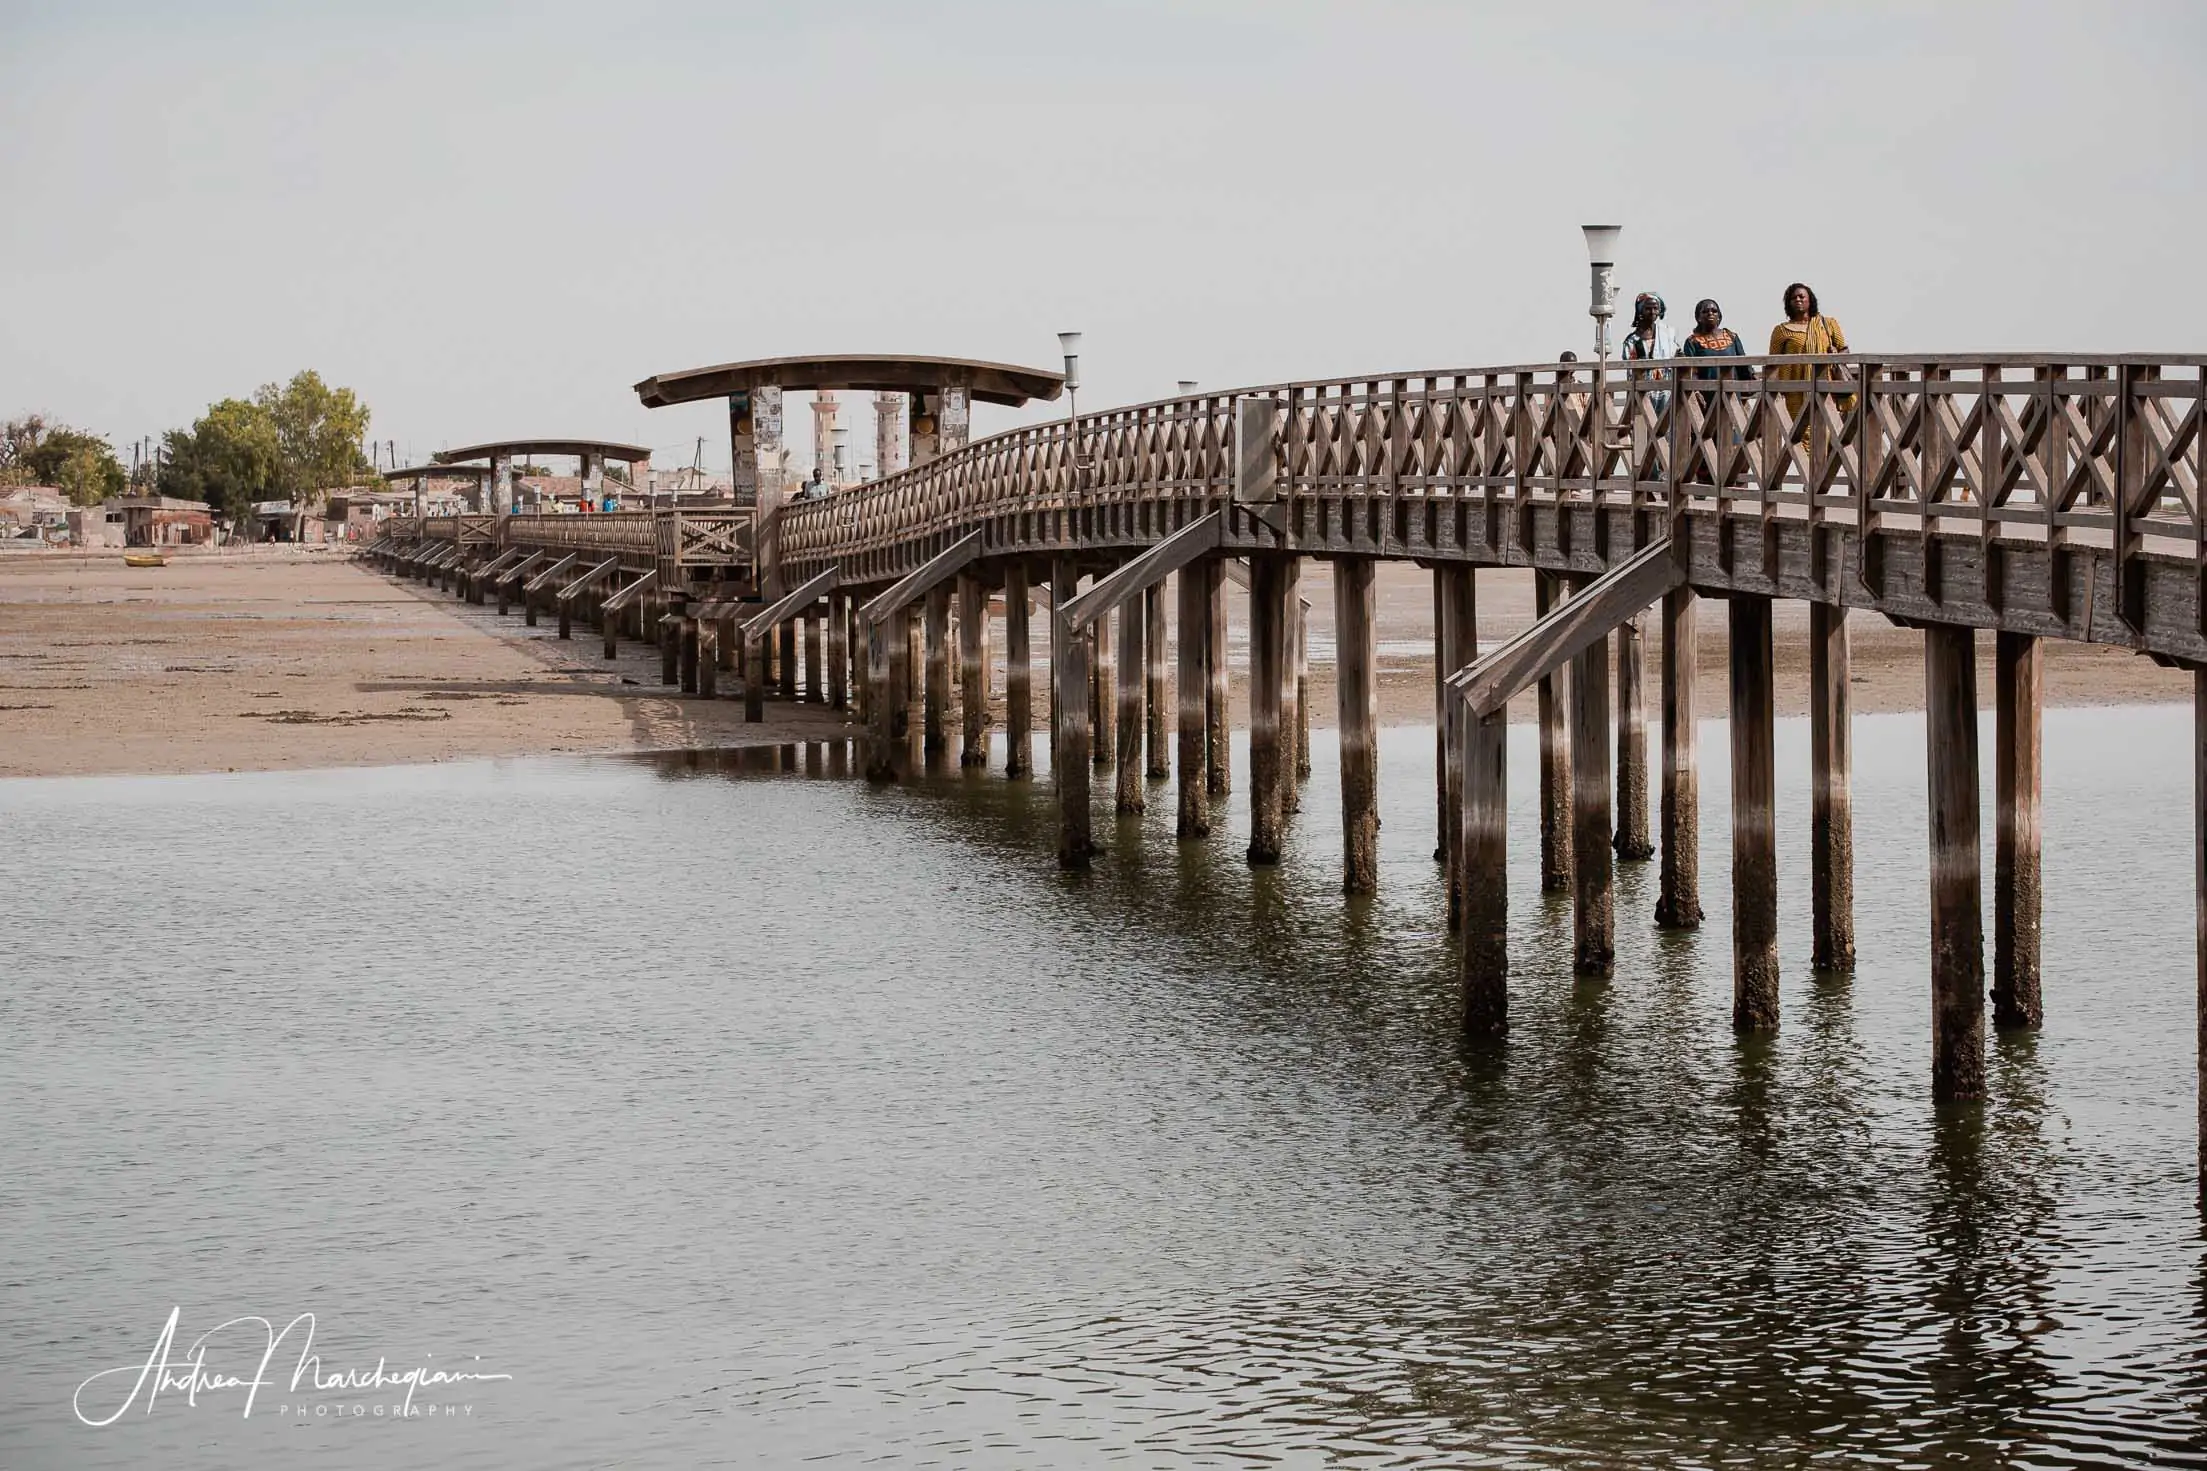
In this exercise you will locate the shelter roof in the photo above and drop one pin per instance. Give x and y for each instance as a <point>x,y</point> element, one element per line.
<point>436,472</point>
<point>996,383</point>
<point>605,447</point>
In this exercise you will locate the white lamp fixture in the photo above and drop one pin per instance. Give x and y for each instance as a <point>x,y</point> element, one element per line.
<point>842,474</point>
<point>1186,387</point>
<point>1601,255</point>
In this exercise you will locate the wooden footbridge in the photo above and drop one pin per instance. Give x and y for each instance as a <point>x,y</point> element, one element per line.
<point>2026,497</point>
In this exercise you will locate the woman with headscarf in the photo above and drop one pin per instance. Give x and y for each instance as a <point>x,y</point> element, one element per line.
<point>1648,340</point>
<point>1806,332</point>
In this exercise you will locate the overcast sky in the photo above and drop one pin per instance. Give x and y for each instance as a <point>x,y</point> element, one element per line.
<point>492,221</point>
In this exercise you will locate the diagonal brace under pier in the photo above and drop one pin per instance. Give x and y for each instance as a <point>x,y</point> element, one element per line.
<point>1617,595</point>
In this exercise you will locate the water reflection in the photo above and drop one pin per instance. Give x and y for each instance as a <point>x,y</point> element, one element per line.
<point>883,1137</point>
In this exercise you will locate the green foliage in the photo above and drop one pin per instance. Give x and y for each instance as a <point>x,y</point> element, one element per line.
<point>230,457</point>
<point>318,434</point>
<point>289,442</point>
<point>82,465</point>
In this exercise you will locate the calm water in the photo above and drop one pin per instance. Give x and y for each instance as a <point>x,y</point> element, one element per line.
<point>750,1118</point>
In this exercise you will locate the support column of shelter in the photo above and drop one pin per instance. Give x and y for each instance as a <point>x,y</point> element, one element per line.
<point>2017,664</point>
<point>1678,900</point>
<point>973,670</point>
<point>1134,660</point>
<point>1555,756</point>
<point>1957,923</point>
<point>1018,674</point>
<point>1070,759</point>
<point>1593,909</point>
<point>1157,691</point>
<point>1831,802</point>
<point>1271,753</point>
<point>1631,842</point>
<point>1356,657</point>
<point>1193,584</point>
<point>1754,823</point>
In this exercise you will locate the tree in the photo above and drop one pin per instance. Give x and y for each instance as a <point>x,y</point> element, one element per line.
<point>34,451</point>
<point>230,457</point>
<point>318,434</point>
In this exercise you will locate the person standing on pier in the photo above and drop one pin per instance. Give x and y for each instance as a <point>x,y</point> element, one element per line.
<point>1649,340</point>
<point>1712,339</point>
<point>1806,332</point>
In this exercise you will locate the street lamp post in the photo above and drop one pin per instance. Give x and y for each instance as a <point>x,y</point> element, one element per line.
<point>1070,343</point>
<point>1601,255</point>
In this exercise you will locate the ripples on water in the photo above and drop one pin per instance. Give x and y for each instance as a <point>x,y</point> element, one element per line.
<point>749,1117</point>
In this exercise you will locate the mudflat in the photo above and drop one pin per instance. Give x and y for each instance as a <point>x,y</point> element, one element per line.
<point>280,658</point>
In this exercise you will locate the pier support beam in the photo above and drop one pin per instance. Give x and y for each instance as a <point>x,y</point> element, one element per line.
<point>754,675</point>
<point>1631,843</point>
<point>788,666</point>
<point>1133,659</point>
<point>1157,692</point>
<point>1455,644</point>
<point>973,670</point>
<point>1754,818</point>
<point>1299,688</point>
<point>1356,657</point>
<point>708,658</point>
<point>1483,859</point>
<point>1019,705</point>
<point>1070,759</point>
<point>670,643</point>
<point>725,645</point>
<point>813,690</point>
<point>1555,756</point>
<point>1218,720</point>
<point>1193,583</point>
<point>687,630</point>
<point>2199,913</point>
<point>1831,802</point>
<point>1293,735</point>
<point>880,650</point>
<point>839,651</point>
<point>1957,925</point>
<point>1678,901</point>
<point>939,673</point>
<point>1103,690</point>
<point>1271,753</point>
<point>2016,1002</point>
<point>1593,908</point>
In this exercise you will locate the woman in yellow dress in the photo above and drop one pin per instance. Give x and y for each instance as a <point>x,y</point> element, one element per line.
<point>1805,332</point>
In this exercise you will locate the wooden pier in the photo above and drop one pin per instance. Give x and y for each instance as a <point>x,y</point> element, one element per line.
<point>2026,498</point>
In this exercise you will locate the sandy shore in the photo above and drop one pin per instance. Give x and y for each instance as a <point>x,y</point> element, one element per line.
<point>271,659</point>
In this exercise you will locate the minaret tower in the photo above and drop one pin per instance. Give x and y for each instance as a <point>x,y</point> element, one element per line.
<point>824,407</point>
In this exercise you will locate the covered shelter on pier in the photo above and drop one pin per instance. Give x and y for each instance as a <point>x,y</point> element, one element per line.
<point>468,479</point>
<point>500,455</point>
<point>922,405</point>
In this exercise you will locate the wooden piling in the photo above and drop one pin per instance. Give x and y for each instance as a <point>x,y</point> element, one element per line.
<point>1678,900</point>
<point>1482,848</point>
<point>1831,800</point>
<point>726,643</point>
<point>1103,688</point>
<point>1157,692</point>
<point>1270,756</point>
<point>1294,728</point>
<point>1957,925</point>
<point>880,700</point>
<point>670,643</point>
<point>1300,611</point>
<point>1456,644</point>
<point>1593,906</point>
<point>839,652</point>
<point>2016,1001</point>
<point>1133,659</point>
<point>1754,821</point>
<point>754,676</point>
<point>1218,720</point>
<point>935,737</point>
<point>1070,759</point>
<point>1193,585</point>
<point>1555,756</point>
<point>708,659</point>
<point>1018,675</point>
<point>787,673</point>
<point>813,671</point>
<point>610,625</point>
<point>973,671</point>
<point>908,677</point>
<point>2199,920</point>
<point>1631,842</point>
<point>1356,658</point>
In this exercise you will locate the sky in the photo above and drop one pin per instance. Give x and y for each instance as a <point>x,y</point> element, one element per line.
<point>492,221</point>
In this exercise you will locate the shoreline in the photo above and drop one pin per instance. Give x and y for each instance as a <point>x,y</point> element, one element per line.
<point>289,659</point>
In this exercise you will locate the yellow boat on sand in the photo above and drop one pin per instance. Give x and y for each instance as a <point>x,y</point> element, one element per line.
<point>145,559</point>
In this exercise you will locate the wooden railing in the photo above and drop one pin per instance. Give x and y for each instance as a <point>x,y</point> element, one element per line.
<point>667,541</point>
<point>2103,450</point>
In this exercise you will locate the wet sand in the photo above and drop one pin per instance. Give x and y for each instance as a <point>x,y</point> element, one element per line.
<point>283,658</point>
